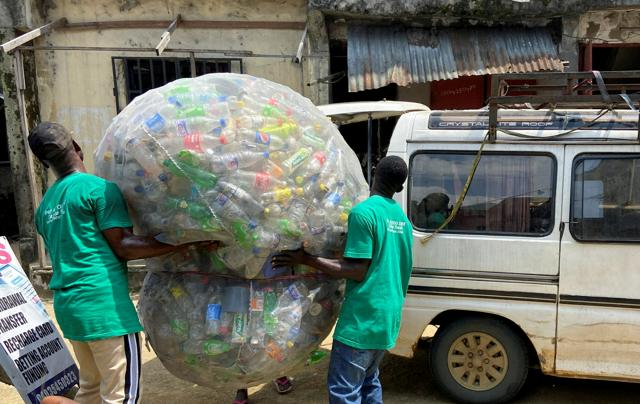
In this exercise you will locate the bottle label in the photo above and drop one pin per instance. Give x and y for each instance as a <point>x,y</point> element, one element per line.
<point>192,112</point>
<point>257,301</point>
<point>263,138</point>
<point>297,159</point>
<point>193,142</point>
<point>182,128</point>
<point>262,182</point>
<point>213,312</point>
<point>233,163</point>
<point>294,292</point>
<point>155,123</point>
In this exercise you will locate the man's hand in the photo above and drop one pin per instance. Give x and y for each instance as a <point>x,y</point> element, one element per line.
<point>289,258</point>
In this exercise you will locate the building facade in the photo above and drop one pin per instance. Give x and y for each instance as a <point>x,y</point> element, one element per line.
<point>441,53</point>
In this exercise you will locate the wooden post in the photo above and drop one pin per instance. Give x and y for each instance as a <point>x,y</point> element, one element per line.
<point>166,36</point>
<point>31,35</point>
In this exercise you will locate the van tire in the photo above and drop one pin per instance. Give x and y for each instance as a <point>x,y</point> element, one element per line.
<point>457,359</point>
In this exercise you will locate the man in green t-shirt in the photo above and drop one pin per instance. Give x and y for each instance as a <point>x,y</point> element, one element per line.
<point>377,265</point>
<point>85,225</point>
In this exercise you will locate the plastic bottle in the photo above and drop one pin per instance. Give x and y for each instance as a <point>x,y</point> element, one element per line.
<point>214,312</point>
<point>234,257</point>
<point>274,351</point>
<point>296,160</point>
<point>263,238</point>
<point>261,139</point>
<point>256,182</point>
<point>232,161</point>
<point>197,142</point>
<point>145,157</point>
<point>311,138</point>
<point>241,198</point>
<point>238,333</point>
<point>283,130</point>
<point>334,198</point>
<point>257,122</point>
<point>316,356</point>
<point>311,170</point>
<point>270,320</point>
<point>186,165</point>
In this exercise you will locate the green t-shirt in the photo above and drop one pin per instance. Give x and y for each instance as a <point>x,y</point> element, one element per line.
<point>370,317</point>
<point>90,284</point>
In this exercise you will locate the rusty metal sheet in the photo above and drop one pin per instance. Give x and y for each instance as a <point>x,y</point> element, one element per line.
<point>381,55</point>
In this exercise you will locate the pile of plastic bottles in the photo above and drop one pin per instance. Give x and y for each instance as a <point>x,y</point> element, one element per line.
<point>234,158</point>
<point>216,330</point>
<point>251,163</point>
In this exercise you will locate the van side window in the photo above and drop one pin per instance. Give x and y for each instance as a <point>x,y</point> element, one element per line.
<point>605,201</point>
<point>510,193</point>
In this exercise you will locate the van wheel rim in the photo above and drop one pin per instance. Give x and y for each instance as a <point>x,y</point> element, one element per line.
<point>478,361</point>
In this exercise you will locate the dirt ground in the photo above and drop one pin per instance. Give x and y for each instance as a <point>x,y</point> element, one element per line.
<point>404,381</point>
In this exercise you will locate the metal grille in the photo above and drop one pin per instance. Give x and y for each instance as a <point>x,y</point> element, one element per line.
<point>142,74</point>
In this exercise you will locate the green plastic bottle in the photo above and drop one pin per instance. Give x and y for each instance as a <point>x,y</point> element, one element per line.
<point>270,303</point>
<point>187,166</point>
<point>315,357</point>
<point>215,347</point>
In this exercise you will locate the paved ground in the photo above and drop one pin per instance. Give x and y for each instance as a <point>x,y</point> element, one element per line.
<point>404,381</point>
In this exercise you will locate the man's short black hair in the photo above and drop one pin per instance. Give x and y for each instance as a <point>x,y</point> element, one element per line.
<point>392,170</point>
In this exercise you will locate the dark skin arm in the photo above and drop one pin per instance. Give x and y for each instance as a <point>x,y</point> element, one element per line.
<point>343,268</point>
<point>128,246</point>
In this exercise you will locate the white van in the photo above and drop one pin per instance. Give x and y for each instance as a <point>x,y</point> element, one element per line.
<point>541,265</point>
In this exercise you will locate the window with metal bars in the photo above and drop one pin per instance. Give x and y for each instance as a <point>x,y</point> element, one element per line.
<point>135,76</point>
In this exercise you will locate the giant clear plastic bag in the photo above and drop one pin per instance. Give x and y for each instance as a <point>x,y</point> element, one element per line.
<point>215,331</point>
<point>234,158</point>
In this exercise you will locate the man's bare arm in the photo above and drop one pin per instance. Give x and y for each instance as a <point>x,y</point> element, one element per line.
<point>128,246</point>
<point>344,268</point>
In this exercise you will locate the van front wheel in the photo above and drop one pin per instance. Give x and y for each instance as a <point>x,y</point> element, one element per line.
<point>479,360</point>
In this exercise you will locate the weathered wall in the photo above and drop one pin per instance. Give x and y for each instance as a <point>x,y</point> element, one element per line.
<point>492,10</point>
<point>15,14</point>
<point>614,26</point>
<point>76,87</point>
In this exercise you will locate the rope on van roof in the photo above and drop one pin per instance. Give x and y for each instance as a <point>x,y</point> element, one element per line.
<point>476,161</point>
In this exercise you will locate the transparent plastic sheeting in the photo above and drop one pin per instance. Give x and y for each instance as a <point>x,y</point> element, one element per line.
<point>234,158</point>
<point>216,331</point>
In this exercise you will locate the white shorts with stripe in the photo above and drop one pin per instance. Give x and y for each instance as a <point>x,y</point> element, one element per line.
<point>110,370</point>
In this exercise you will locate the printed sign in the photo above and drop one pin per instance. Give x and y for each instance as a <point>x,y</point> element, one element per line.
<point>33,353</point>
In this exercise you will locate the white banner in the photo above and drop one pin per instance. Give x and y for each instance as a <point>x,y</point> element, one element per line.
<point>33,353</point>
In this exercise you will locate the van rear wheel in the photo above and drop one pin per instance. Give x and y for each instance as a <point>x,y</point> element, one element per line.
<point>479,360</point>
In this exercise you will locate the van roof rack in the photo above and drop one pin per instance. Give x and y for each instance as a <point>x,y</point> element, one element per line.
<point>592,89</point>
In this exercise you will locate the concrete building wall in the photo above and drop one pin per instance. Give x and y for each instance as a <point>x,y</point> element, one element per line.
<point>76,86</point>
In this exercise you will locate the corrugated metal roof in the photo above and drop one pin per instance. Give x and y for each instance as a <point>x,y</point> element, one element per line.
<point>378,56</point>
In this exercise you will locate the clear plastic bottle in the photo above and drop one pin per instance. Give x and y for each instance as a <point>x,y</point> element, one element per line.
<point>256,122</point>
<point>243,199</point>
<point>264,238</point>
<point>256,182</point>
<point>234,257</point>
<point>232,161</point>
<point>147,159</point>
<point>333,199</point>
<point>261,139</point>
<point>311,138</point>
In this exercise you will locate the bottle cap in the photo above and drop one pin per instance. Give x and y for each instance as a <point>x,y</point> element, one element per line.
<point>299,191</point>
<point>108,155</point>
<point>344,217</point>
<point>315,309</point>
<point>299,180</point>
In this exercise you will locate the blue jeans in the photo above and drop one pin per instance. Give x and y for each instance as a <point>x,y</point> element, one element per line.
<point>353,375</point>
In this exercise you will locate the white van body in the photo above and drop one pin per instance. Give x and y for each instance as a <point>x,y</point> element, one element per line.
<point>573,300</point>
